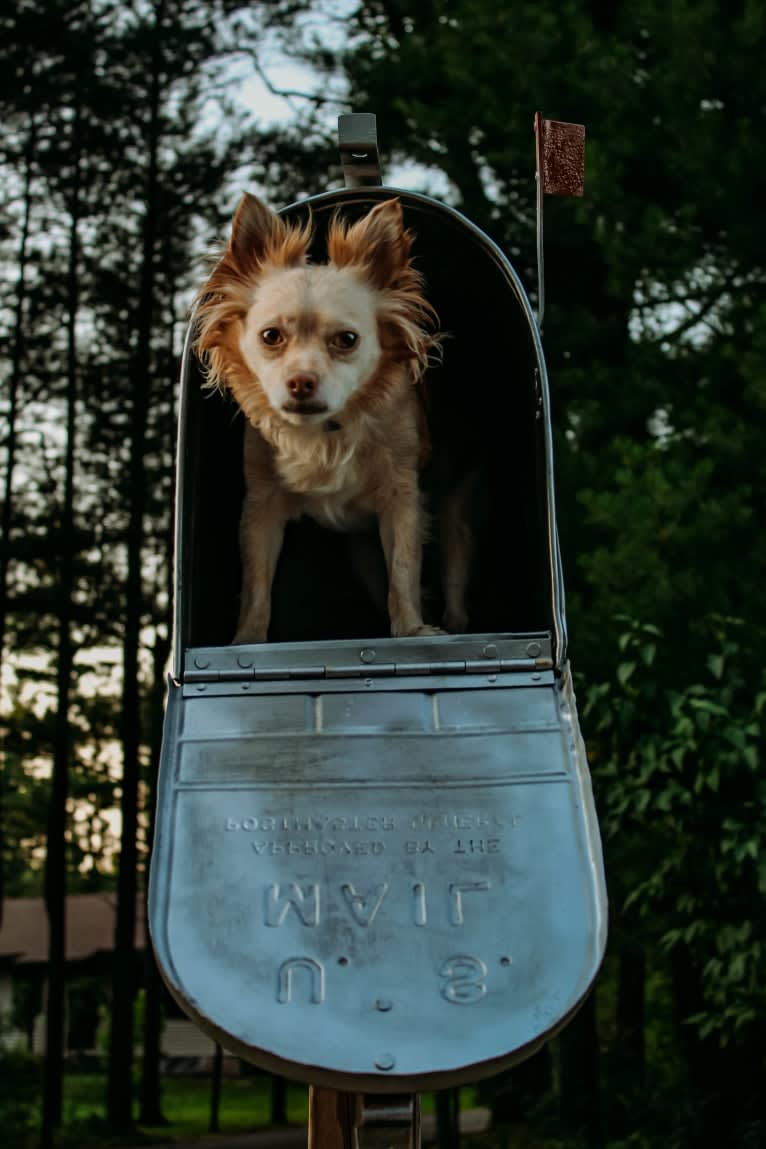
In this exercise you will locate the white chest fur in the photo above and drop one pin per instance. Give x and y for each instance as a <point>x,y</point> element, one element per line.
<point>326,473</point>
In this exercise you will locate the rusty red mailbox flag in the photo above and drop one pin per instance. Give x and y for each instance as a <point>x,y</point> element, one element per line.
<point>560,156</point>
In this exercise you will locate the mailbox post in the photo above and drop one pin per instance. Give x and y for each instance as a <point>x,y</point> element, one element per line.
<point>340,1120</point>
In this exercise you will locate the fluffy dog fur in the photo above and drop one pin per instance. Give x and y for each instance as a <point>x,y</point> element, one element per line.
<point>324,361</point>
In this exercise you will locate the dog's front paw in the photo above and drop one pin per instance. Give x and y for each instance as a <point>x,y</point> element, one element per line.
<point>455,621</point>
<point>421,630</point>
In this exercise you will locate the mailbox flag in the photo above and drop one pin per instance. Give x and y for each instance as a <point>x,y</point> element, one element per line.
<point>560,156</point>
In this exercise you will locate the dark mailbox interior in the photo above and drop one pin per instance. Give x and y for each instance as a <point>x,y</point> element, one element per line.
<point>483,412</point>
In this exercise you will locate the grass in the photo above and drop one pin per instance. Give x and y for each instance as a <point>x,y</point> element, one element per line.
<point>245,1105</point>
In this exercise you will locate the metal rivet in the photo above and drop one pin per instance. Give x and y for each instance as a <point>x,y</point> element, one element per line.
<point>492,678</point>
<point>385,1061</point>
<point>383,1004</point>
<point>533,649</point>
<point>367,655</point>
<point>201,687</point>
<point>245,661</point>
<point>201,663</point>
<point>368,682</point>
<point>490,650</point>
<point>537,676</point>
<point>245,685</point>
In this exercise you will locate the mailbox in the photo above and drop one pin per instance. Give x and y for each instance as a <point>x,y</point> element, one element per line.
<point>377,864</point>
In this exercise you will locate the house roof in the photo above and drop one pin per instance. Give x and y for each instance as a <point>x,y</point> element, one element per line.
<point>90,922</point>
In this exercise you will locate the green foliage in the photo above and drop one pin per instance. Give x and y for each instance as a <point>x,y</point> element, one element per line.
<point>20,1074</point>
<point>678,772</point>
<point>104,1031</point>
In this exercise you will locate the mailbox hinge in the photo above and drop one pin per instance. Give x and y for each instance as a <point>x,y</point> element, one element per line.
<point>477,655</point>
<point>379,670</point>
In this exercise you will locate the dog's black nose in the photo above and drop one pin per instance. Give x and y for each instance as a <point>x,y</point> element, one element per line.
<point>302,384</point>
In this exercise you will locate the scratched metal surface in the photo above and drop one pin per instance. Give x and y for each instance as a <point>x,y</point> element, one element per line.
<point>398,890</point>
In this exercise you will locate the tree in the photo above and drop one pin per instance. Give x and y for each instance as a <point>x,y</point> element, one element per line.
<point>654,340</point>
<point>115,175</point>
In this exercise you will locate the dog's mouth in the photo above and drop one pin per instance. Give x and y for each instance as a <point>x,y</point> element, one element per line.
<point>304,407</point>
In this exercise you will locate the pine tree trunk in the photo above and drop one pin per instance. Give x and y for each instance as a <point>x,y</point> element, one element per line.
<point>714,1074</point>
<point>579,1096</point>
<point>631,984</point>
<point>214,1125</point>
<point>151,1093</point>
<point>278,1101</point>
<point>14,384</point>
<point>55,859</point>
<point>119,1099</point>
<point>151,1088</point>
<point>517,1090</point>
<point>448,1118</point>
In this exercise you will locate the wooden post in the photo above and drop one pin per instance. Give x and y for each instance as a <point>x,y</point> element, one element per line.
<point>351,1120</point>
<point>332,1118</point>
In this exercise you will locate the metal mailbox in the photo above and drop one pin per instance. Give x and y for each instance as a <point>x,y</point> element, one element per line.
<point>377,864</point>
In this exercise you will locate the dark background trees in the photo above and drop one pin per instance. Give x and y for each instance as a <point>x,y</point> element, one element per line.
<point>123,150</point>
<point>653,336</point>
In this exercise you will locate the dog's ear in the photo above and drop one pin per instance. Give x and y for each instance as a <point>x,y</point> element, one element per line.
<point>259,235</point>
<point>377,243</point>
<point>252,228</point>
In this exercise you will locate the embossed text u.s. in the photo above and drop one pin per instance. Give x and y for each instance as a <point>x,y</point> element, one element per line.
<point>464,979</point>
<point>287,971</point>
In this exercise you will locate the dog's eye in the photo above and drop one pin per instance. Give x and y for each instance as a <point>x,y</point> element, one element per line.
<point>272,336</point>
<point>344,340</point>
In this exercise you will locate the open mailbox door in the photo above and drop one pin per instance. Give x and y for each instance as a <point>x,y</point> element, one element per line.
<point>377,864</point>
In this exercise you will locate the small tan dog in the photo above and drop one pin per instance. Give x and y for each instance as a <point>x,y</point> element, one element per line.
<point>323,360</point>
